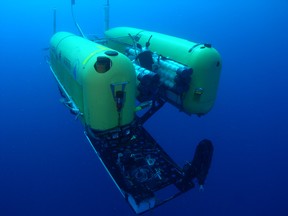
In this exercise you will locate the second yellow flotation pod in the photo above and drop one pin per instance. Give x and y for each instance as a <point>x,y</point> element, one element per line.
<point>203,59</point>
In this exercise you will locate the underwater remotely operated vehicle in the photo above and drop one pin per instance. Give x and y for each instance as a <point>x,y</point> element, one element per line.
<point>106,82</point>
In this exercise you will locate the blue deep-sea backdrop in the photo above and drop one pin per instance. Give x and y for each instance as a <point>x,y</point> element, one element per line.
<point>48,168</point>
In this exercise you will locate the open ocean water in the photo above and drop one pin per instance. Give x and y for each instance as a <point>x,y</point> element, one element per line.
<point>47,166</point>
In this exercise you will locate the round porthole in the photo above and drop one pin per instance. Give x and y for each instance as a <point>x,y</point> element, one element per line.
<point>103,64</point>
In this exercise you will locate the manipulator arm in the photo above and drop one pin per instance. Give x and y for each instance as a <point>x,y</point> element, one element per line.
<point>198,168</point>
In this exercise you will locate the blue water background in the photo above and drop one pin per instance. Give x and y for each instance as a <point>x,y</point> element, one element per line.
<point>48,168</point>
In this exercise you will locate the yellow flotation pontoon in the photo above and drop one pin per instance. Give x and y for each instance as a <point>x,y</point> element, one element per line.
<point>169,54</point>
<point>99,81</point>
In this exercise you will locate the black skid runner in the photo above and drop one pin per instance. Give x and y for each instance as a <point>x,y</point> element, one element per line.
<point>138,165</point>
